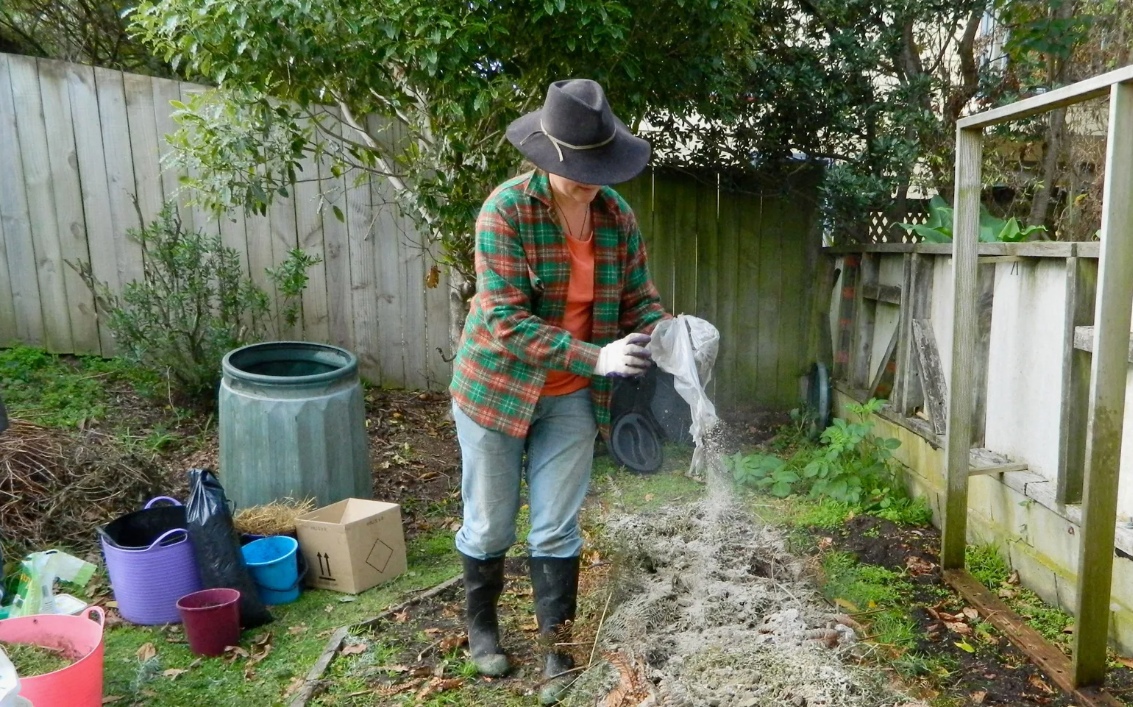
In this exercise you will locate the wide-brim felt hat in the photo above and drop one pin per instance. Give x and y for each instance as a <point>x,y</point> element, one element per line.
<point>576,135</point>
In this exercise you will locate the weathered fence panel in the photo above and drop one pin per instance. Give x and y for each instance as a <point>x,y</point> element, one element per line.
<point>739,253</point>
<point>79,144</point>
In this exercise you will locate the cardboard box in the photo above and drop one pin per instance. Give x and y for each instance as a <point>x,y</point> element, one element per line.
<point>352,545</point>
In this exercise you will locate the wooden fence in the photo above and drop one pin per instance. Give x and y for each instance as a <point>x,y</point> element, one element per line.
<point>77,143</point>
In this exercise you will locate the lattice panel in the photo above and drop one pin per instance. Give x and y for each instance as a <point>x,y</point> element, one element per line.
<point>883,228</point>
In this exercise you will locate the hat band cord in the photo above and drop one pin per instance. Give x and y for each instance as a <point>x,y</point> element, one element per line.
<point>559,144</point>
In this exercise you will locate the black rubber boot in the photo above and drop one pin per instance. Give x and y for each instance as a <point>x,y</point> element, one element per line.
<point>555,582</point>
<point>483,583</point>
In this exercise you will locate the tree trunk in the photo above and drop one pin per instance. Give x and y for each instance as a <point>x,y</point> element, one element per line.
<point>460,290</point>
<point>1041,202</point>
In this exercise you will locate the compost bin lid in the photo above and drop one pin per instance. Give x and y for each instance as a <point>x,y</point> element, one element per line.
<point>635,444</point>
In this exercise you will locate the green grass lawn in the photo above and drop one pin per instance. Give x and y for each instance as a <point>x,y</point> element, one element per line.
<point>175,677</point>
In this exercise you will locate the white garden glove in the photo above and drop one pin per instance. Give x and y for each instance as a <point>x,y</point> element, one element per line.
<point>625,357</point>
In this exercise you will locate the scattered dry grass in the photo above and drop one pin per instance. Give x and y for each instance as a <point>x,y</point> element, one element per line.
<point>276,518</point>
<point>57,485</point>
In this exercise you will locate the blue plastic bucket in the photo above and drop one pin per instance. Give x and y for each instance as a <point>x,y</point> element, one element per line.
<point>274,565</point>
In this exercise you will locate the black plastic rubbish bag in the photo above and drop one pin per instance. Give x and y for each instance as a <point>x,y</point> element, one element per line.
<point>217,546</point>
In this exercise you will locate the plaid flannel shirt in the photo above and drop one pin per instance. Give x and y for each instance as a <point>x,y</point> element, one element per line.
<point>513,334</point>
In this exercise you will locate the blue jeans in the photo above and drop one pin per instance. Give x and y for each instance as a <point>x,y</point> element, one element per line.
<point>560,453</point>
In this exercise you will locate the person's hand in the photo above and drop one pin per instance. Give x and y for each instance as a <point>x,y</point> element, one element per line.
<point>625,357</point>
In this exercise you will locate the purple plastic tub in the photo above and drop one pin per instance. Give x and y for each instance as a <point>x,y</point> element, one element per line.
<point>157,566</point>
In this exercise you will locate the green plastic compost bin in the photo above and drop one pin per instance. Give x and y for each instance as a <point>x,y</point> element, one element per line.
<point>292,424</point>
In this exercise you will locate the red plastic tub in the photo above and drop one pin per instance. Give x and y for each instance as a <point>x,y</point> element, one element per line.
<point>80,639</point>
<point>212,620</point>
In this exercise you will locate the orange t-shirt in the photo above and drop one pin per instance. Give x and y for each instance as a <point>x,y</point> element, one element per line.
<point>579,316</point>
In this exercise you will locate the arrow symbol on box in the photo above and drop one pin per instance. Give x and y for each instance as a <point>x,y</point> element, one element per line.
<point>324,571</point>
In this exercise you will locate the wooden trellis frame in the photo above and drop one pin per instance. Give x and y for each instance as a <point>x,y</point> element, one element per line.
<point>1108,369</point>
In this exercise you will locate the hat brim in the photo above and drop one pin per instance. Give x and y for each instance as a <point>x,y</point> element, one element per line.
<point>619,161</point>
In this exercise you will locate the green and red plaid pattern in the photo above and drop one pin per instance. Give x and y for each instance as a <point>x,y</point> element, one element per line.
<point>514,333</point>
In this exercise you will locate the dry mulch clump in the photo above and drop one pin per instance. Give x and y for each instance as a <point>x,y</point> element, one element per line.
<point>56,485</point>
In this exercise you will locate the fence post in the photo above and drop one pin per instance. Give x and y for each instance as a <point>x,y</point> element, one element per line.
<point>969,152</point>
<point>1108,373</point>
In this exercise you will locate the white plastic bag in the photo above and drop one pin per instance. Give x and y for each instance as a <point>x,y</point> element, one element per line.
<point>686,347</point>
<point>10,684</point>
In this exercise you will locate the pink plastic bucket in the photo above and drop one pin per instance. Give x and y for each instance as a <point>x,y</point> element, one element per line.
<point>80,638</point>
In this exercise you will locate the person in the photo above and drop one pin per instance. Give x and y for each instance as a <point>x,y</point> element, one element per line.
<point>563,302</point>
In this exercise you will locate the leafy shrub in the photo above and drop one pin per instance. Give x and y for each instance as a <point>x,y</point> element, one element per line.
<point>850,465</point>
<point>938,228</point>
<point>193,305</point>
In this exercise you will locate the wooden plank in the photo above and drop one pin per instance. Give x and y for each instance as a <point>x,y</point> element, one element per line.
<point>890,294</point>
<point>1088,250</point>
<point>364,279</point>
<point>1047,657</point>
<point>393,347</point>
<point>985,293</point>
<point>18,235</point>
<point>144,143</point>
<point>1084,340</point>
<point>707,249</point>
<point>766,301</point>
<point>64,171</point>
<point>964,282</point>
<point>683,237</point>
<point>732,217</point>
<point>256,230</point>
<point>866,311</point>
<point>847,306</point>
<point>309,228</point>
<point>799,240</point>
<point>1095,87</point>
<point>1027,249</point>
<point>119,173</point>
<point>985,461</point>
<point>38,187</point>
<point>164,92</point>
<point>93,185</point>
<point>1081,287</point>
<point>753,361</point>
<point>869,248</point>
<point>284,239</point>
<point>931,374</point>
<point>659,238</point>
<point>8,334</point>
<point>340,315</point>
<point>1109,369</point>
<point>409,271</point>
<point>916,304</point>
<point>314,675</point>
<point>884,369</point>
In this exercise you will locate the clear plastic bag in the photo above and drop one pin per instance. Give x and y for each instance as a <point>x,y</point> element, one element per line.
<point>686,346</point>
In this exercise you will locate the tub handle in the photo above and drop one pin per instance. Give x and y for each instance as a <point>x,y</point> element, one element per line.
<point>161,539</point>
<point>155,499</point>
<point>97,614</point>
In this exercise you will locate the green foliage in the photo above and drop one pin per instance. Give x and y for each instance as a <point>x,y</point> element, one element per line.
<point>420,91</point>
<point>62,391</point>
<point>986,564</point>
<point>993,229</point>
<point>193,305</point>
<point>850,465</point>
<point>906,511</point>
